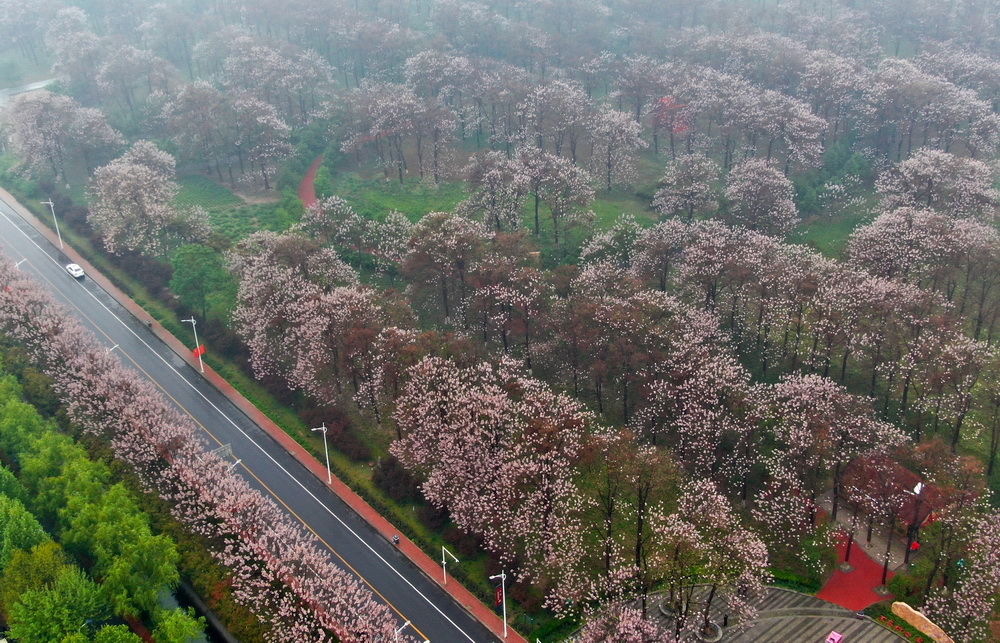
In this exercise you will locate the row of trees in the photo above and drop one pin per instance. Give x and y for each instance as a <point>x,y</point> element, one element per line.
<point>46,596</point>
<point>735,95</point>
<point>766,96</point>
<point>277,569</point>
<point>366,38</point>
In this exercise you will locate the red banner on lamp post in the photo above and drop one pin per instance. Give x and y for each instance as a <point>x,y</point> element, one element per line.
<point>198,352</point>
<point>499,595</point>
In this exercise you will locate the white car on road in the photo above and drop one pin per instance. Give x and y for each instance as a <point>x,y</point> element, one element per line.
<point>74,270</point>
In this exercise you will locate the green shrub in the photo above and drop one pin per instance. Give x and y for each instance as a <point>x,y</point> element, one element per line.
<point>791,580</point>
<point>397,482</point>
<point>882,614</point>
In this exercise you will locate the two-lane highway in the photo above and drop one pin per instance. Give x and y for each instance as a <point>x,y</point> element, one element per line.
<point>353,544</point>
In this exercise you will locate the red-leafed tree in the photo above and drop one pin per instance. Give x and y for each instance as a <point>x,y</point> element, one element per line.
<point>443,251</point>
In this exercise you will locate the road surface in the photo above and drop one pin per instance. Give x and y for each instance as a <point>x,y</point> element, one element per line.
<point>433,614</point>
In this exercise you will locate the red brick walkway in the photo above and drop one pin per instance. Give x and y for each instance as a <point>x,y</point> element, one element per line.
<point>307,188</point>
<point>432,569</point>
<point>854,590</point>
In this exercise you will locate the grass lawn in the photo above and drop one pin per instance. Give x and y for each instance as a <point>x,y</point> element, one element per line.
<point>828,236</point>
<point>608,207</point>
<point>373,198</point>
<point>228,214</point>
<point>200,190</point>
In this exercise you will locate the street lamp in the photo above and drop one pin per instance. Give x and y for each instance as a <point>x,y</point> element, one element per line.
<point>18,264</point>
<point>444,563</point>
<point>503,597</point>
<point>326,451</point>
<point>54,220</point>
<point>194,327</point>
<point>911,533</point>
<point>401,629</point>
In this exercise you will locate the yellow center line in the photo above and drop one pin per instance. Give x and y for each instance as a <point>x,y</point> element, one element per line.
<point>274,495</point>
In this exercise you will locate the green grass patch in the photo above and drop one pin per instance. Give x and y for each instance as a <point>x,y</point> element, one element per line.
<point>794,581</point>
<point>829,235</point>
<point>608,207</point>
<point>375,198</point>
<point>14,182</point>
<point>229,215</point>
<point>200,190</point>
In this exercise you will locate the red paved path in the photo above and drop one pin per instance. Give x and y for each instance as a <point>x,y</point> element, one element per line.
<point>432,569</point>
<point>307,188</point>
<point>854,590</point>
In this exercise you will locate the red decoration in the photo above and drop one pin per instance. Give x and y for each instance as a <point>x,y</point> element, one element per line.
<point>198,352</point>
<point>499,595</point>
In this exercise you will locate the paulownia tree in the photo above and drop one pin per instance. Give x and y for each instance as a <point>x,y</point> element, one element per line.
<point>704,543</point>
<point>500,185</point>
<point>559,183</point>
<point>48,131</point>
<point>131,203</point>
<point>616,138</point>
<point>620,623</point>
<point>761,198</point>
<point>444,249</point>
<point>526,503</point>
<point>943,182</point>
<point>687,187</point>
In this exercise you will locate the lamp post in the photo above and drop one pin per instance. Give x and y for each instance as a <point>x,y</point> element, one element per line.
<point>503,597</point>
<point>444,563</point>
<point>911,533</point>
<point>401,629</point>
<point>54,220</point>
<point>18,264</point>
<point>326,452</point>
<point>194,327</point>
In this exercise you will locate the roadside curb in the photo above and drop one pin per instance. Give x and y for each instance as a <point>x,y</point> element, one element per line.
<point>380,524</point>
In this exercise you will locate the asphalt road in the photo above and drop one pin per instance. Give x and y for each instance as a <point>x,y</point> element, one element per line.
<point>432,613</point>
